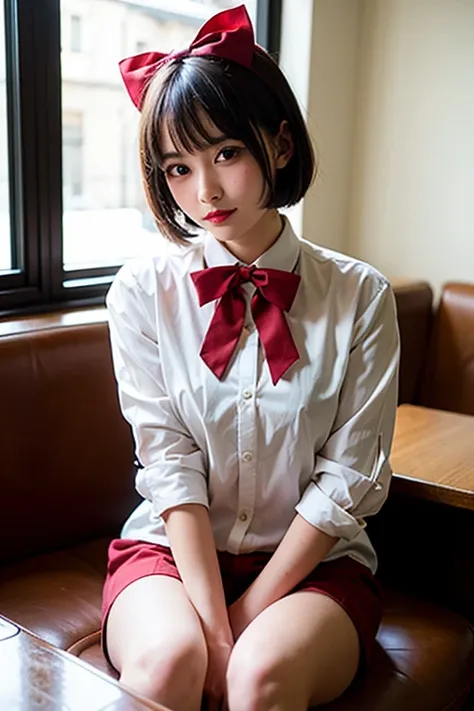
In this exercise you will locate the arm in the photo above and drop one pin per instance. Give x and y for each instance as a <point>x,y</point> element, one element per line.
<point>174,470</point>
<point>351,475</point>
<point>192,543</point>
<point>302,548</point>
<point>174,475</point>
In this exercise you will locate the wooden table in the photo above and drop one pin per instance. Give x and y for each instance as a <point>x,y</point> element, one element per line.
<point>34,676</point>
<point>433,455</point>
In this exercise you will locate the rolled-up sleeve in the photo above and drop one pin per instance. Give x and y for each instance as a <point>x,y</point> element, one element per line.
<point>174,470</point>
<point>352,473</point>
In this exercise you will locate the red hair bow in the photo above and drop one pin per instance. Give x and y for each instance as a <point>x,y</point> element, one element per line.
<point>229,35</point>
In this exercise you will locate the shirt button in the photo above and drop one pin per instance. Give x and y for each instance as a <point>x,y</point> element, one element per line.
<point>243,517</point>
<point>247,394</point>
<point>247,456</point>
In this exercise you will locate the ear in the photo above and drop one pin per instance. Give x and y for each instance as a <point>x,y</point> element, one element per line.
<point>283,146</point>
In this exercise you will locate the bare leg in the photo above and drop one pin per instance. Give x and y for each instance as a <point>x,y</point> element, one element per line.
<point>155,641</point>
<point>301,651</point>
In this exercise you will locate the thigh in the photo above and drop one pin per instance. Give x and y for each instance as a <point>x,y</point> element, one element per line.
<point>307,642</point>
<point>152,613</point>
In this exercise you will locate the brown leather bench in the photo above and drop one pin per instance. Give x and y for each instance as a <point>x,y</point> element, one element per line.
<point>448,382</point>
<point>66,481</point>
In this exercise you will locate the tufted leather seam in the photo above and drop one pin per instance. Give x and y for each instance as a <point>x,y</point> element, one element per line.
<point>398,674</point>
<point>84,643</point>
<point>454,705</point>
<point>74,553</point>
<point>460,696</point>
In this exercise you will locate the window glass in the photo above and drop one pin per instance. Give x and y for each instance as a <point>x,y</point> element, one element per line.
<point>105,219</point>
<point>76,33</point>
<point>5,233</point>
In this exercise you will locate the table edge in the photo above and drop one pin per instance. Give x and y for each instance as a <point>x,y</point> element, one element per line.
<point>431,491</point>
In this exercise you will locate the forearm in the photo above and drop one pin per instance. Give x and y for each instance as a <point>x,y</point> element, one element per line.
<point>302,548</point>
<point>192,543</point>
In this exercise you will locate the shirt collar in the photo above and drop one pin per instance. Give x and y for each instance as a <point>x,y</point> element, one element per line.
<point>283,254</point>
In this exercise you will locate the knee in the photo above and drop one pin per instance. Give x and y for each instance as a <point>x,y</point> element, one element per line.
<point>165,671</point>
<point>258,683</point>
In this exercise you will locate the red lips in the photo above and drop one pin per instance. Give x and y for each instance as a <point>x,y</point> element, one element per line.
<point>218,216</point>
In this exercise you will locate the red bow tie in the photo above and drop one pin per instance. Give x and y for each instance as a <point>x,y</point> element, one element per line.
<point>276,291</point>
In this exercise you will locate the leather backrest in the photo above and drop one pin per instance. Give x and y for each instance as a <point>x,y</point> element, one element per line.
<point>66,465</point>
<point>449,378</point>
<point>415,313</point>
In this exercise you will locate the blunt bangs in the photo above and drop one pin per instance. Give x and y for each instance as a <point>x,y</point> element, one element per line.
<point>193,102</point>
<point>191,95</point>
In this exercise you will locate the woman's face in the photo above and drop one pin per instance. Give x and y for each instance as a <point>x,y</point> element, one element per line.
<point>222,189</point>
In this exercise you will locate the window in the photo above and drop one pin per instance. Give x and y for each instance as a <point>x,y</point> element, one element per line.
<point>111,222</point>
<point>72,208</point>
<point>72,157</point>
<point>76,33</point>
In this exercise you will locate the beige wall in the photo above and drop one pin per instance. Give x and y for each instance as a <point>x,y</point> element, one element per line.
<point>319,55</point>
<point>413,181</point>
<point>390,101</point>
<point>331,107</point>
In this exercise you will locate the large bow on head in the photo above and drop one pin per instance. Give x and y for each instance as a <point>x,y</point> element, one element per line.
<point>229,35</point>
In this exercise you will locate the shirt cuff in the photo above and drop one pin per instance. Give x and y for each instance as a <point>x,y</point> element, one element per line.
<point>323,513</point>
<point>342,483</point>
<point>161,505</point>
<point>175,489</point>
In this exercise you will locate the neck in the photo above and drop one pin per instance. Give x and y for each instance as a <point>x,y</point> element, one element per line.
<point>259,239</point>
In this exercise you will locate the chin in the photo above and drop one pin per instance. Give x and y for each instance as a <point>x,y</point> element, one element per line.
<point>226,233</point>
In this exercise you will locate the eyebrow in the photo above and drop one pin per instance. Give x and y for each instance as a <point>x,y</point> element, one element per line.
<point>167,156</point>
<point>212,142</point>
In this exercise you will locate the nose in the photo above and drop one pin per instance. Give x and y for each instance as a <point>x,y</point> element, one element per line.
<point>210,189</point>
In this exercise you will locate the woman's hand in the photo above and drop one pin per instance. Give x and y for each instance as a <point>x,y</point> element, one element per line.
<point>192,541</point>
<point>215,690</point>
<point>240,616</point>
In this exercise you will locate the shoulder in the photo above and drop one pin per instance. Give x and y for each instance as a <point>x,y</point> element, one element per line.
<point>353,278</point>
<point>141,278</point>
<point>341,265</point>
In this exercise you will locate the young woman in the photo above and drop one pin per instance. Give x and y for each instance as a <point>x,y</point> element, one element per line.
<point>259,375</point>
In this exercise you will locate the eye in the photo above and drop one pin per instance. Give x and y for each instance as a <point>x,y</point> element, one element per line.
<point>228,153</point>
<point>176,171</point>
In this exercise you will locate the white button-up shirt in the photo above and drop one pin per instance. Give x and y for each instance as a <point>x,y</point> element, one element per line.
<point>255,453</point>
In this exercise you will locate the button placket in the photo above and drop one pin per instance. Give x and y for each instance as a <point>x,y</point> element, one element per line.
<point>246,441</point>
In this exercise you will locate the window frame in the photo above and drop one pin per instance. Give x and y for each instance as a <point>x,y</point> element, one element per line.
<point>34,124</point>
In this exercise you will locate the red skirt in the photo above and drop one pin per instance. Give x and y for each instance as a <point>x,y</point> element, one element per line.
<point>346,581</point>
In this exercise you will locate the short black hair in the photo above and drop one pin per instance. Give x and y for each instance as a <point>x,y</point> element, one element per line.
<point>187,94</point>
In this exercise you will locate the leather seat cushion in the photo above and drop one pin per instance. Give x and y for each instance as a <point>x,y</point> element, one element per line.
<point>57,595</point>
<point>424,658</point>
